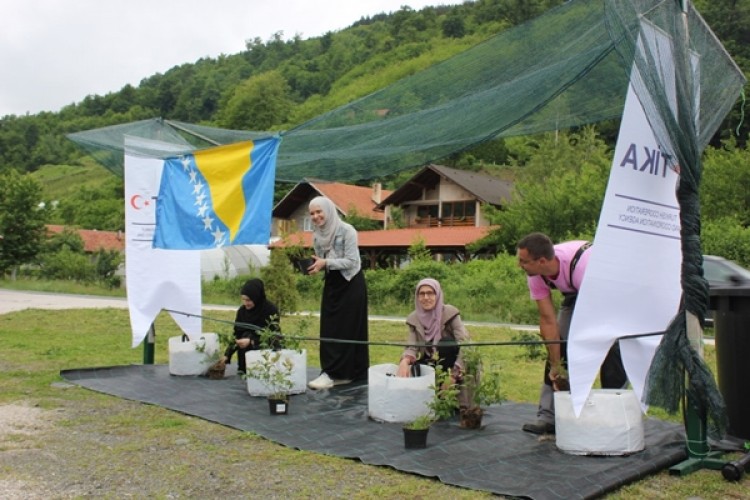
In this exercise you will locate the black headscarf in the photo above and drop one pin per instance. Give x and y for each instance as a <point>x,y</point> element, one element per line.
<point>261,314</point>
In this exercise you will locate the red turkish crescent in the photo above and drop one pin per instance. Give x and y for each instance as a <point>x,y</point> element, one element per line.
<point>134,201</point>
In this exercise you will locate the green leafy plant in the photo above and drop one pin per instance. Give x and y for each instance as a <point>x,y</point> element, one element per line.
<point>533,350</point>
<point>421,422</point>
<point>274,372</point>
<point>225,340</point>
<point>443,404</point>
<point>483,386</point>
<point>270,338</point>
<point>281,283</point>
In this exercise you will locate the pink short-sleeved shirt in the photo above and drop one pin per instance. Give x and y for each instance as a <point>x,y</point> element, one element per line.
<point>565,252</point>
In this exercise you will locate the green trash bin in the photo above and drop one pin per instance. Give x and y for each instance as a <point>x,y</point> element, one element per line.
<point>731,310</point>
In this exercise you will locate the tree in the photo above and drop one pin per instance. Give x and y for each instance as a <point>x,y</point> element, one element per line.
<point>453,26</point>
<point>21,220</point>
<point>280,282</point>
<point>259,103</point>
<point>68,239</point>
<point>99,207</point>
<point>361,222</point>
<point>724,188</point>
<point>559,192</point>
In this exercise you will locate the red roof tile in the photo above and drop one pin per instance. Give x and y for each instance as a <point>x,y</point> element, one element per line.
<point>94,240</point>
<point>346,197</point>
<point>432,236</point>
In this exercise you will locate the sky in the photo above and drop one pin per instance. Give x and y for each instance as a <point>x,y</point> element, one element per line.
<point>56,52</point>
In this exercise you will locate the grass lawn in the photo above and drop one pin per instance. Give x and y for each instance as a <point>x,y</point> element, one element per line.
<point>35,345</point>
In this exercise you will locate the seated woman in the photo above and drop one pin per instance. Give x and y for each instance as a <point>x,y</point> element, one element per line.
<point>255,314</point>
<point>435,330</point>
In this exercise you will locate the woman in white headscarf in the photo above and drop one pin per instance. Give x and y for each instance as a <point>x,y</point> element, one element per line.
<point>343,310</point>
<point>435,330</point>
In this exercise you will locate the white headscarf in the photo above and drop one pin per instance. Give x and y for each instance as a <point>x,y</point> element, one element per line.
<point>431,320</point>
<point>325,233</point>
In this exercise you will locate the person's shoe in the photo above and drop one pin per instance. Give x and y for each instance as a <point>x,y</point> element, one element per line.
<point>322,382</point>
<point>342,381</point>
<point>539,427</point>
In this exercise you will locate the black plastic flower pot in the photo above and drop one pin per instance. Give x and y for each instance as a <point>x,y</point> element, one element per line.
<point>415,438</point>
<point>278,406</point>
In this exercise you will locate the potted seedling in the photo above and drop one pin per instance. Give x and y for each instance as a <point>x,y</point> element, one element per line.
<point>286,347</point>
<point>192,356</point>
<point>442,406</point>
<point>562,383</point>
<point>298,255</point>
<point>274,372</point>
<point>216,364</point>
<point>482,387</point>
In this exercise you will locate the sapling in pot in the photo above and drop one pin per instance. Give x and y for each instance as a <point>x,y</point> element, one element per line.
<point>442,406</point>
<point>483,388</point>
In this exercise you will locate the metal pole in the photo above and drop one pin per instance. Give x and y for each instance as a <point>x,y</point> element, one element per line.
<point>700,455</point>
<point>148,346</point>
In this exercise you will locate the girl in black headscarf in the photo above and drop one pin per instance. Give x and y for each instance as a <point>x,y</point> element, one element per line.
<point>257,311</point>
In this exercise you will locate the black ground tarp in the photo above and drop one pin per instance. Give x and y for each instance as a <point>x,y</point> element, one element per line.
<point>499,458</point>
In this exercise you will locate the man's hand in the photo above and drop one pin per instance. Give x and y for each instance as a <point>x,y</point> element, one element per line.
<point>559,377</point>
<point>561,383</point>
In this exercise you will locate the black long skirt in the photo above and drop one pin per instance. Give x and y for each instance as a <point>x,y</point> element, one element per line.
<point>343,316</point>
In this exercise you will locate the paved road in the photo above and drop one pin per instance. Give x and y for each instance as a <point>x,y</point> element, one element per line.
<point>14,300</point>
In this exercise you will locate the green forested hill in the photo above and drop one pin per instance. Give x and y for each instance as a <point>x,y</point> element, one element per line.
<point>272,85</point>
<point>278,84</point>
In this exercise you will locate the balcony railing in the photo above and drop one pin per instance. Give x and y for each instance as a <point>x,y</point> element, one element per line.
<point>444,221</point>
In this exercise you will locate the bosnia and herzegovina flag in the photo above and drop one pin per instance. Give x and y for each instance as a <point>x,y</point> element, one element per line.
<point>217,197</point>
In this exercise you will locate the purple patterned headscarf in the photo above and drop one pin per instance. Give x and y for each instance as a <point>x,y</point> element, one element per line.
<point>431,320</point>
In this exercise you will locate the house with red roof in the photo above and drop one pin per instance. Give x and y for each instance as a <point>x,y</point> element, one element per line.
<point>439,206</point>
<point>291,214</point>
<point>94,240</point>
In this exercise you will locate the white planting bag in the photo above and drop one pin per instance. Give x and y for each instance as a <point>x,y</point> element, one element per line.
<point>256,387</point>
<point>398,399</point>
<point>192,357</point>
<point>611,423</point>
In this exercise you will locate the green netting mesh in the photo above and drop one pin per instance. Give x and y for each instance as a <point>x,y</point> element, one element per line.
<point>567,68</point>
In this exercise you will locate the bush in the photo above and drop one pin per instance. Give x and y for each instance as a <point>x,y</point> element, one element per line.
<point>483,290</point>
<point>406,279</point>
<point>68,265</point>
<point>533,350</point>
<point>281,283</point>
<point>728,238</point>
<point>224,290</point>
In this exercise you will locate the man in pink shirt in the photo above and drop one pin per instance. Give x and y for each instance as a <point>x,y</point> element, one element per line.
<point>560,267</point>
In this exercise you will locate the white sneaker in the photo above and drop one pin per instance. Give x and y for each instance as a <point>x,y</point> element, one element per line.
<point>322,382</point>
<point>342,381</point>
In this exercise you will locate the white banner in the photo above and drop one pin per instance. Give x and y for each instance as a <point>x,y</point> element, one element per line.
<point>156,279</point>
<point>632,281</point>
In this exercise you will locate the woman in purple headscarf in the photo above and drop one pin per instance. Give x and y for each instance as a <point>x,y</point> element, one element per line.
<point>343,308</point>
<point>435,330</point>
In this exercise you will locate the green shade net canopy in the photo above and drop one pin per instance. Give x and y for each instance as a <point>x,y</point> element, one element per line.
<point>567,68</point>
